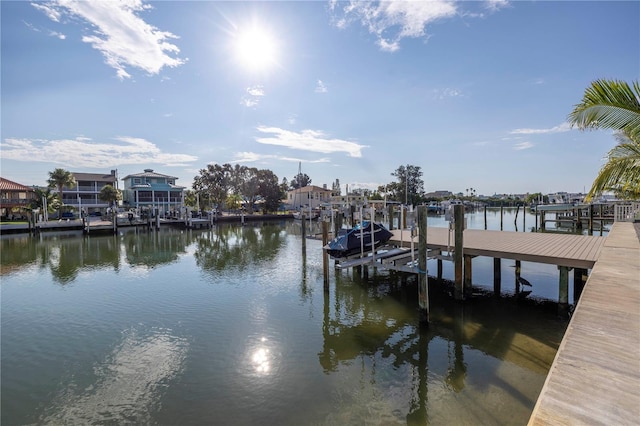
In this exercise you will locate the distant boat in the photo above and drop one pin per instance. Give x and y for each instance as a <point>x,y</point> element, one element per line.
<point>308,215</point>
<point>352,241</point>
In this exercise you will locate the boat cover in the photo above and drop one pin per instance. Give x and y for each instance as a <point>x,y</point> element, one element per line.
<point>347,243</point>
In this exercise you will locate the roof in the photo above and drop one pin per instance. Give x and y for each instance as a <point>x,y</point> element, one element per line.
<point>149,173</point>
<point>94,177</point>
<point>308,188</point>
<point>9,185</point>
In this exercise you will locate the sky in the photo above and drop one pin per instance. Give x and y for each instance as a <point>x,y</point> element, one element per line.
<point>476,93</point>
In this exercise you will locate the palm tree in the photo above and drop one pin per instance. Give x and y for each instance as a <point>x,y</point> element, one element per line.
<point>613,104</point>
<point>110,195</point>
<point>60,178</point>
<point>43,196</point>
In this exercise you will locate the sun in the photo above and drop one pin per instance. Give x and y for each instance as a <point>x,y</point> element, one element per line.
<point>256,49</point>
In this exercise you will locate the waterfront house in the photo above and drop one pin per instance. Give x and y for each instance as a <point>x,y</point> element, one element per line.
<point>85,195</point>
<point>308,196</point>
<point>151,190</point>
<point>14,198</point>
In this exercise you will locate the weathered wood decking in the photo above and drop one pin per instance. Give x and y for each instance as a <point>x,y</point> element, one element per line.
<point>574,251</point>
<point>595,377</point>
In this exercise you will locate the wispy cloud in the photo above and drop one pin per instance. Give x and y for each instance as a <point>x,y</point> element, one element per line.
<point>320,87</point>
<point>308,140</point>
<point>564,127</point>
<point>124,39</point>
<point>447,93</point>
<point>392,21</point>
<point>255,90</point>
<point>252,157</point>
<point>254,94</point>
<point>58,35</point>
<point>496,5</point>
<point>83,152</point>
<point>523,145</point>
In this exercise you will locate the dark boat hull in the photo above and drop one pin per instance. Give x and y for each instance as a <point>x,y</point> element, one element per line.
<point>354,240</point>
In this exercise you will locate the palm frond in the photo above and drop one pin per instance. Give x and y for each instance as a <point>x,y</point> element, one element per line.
<point>610,104</point>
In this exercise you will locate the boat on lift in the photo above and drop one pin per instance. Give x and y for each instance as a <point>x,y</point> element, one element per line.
<point>353,241</point>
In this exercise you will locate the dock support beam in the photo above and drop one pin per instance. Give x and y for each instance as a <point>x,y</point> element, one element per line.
<point>579,280</point>
<point>325,255</point>
<point>468,289</point>
<point>423,279</point>
<point>518,269</point>
<point>563,291</point>
<point>458,217</point>
<point>497,277</point>
<point>390,210</point>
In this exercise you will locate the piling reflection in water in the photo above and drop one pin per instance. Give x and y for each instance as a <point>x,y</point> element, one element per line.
<point>476,351</point>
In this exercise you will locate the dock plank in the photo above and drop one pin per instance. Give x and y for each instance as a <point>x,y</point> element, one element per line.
<point>595,377</point>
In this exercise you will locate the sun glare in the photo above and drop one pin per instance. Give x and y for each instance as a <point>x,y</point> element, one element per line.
<point>256,49</point>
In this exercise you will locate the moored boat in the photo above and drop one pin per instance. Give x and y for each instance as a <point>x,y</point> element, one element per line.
<point>353,241</point>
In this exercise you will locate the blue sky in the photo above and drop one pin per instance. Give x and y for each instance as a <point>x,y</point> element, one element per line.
<point>476,93</point>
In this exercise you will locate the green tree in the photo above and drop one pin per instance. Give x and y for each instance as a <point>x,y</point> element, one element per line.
<point>44,195</point>
<point>60,178</point>
<point>300,180</point>
<point>269,189</point>
<point>409,187</point>
<point>110,195</point>
<point>613,104</point>
<point>213,184</point>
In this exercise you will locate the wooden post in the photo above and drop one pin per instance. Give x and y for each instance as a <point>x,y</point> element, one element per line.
<point>390,209</point>
<point>404,218</point>
<point>501,214</point>
<point>468,289</point>
<point>579,281</point>
<point>536,212</point>
<point>423,280</point>
<point>485,217</point>
<point>458,214</point>
<point>524,218</point>
<point>304,234</point>
<point>543,220</point>
<point>590,219</point>
<point>325,255</point>
<point>518,269</point>
<point>497,277</point>
<point>440,269</point>
<point>563,291</point>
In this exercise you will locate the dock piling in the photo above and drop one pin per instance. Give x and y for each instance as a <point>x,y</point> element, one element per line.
<point>423,279</point>
<point>458,217</point>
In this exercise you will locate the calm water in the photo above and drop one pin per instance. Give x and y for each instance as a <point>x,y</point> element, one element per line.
<point>232,326</point>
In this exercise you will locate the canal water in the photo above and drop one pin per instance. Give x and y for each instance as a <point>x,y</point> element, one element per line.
<point>232,326</point>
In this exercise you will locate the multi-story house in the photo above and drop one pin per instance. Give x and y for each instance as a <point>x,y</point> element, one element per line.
<point>85,195</point>
<point>308,196</point>
<point>14,196</point>
<point>152,190</point>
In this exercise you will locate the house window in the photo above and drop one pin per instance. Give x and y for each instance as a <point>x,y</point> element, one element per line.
<point>137,181</point>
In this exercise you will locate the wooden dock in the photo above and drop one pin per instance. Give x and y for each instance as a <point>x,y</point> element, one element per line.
<point>595,377</point>
<point>573,251</point>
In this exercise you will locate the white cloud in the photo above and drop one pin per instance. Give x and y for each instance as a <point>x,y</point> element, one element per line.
<point>564,127</point>
<point>320,87</point>
<point>522,145</point>
<point>496,5</point>
<point>447,93</point>
<point>83,152</point>
<point>392,21</point>
<point>249,102</point>
<point>308,140</point>
<point>256,90</point>
<point>58,35</point>
<point>124,39</point>
<point>251,157</point>
<point>49,10</point>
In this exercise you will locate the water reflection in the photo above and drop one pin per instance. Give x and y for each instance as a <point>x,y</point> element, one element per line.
<point>128,383</point>
<point>469,351</point>
<point>233,246</point>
